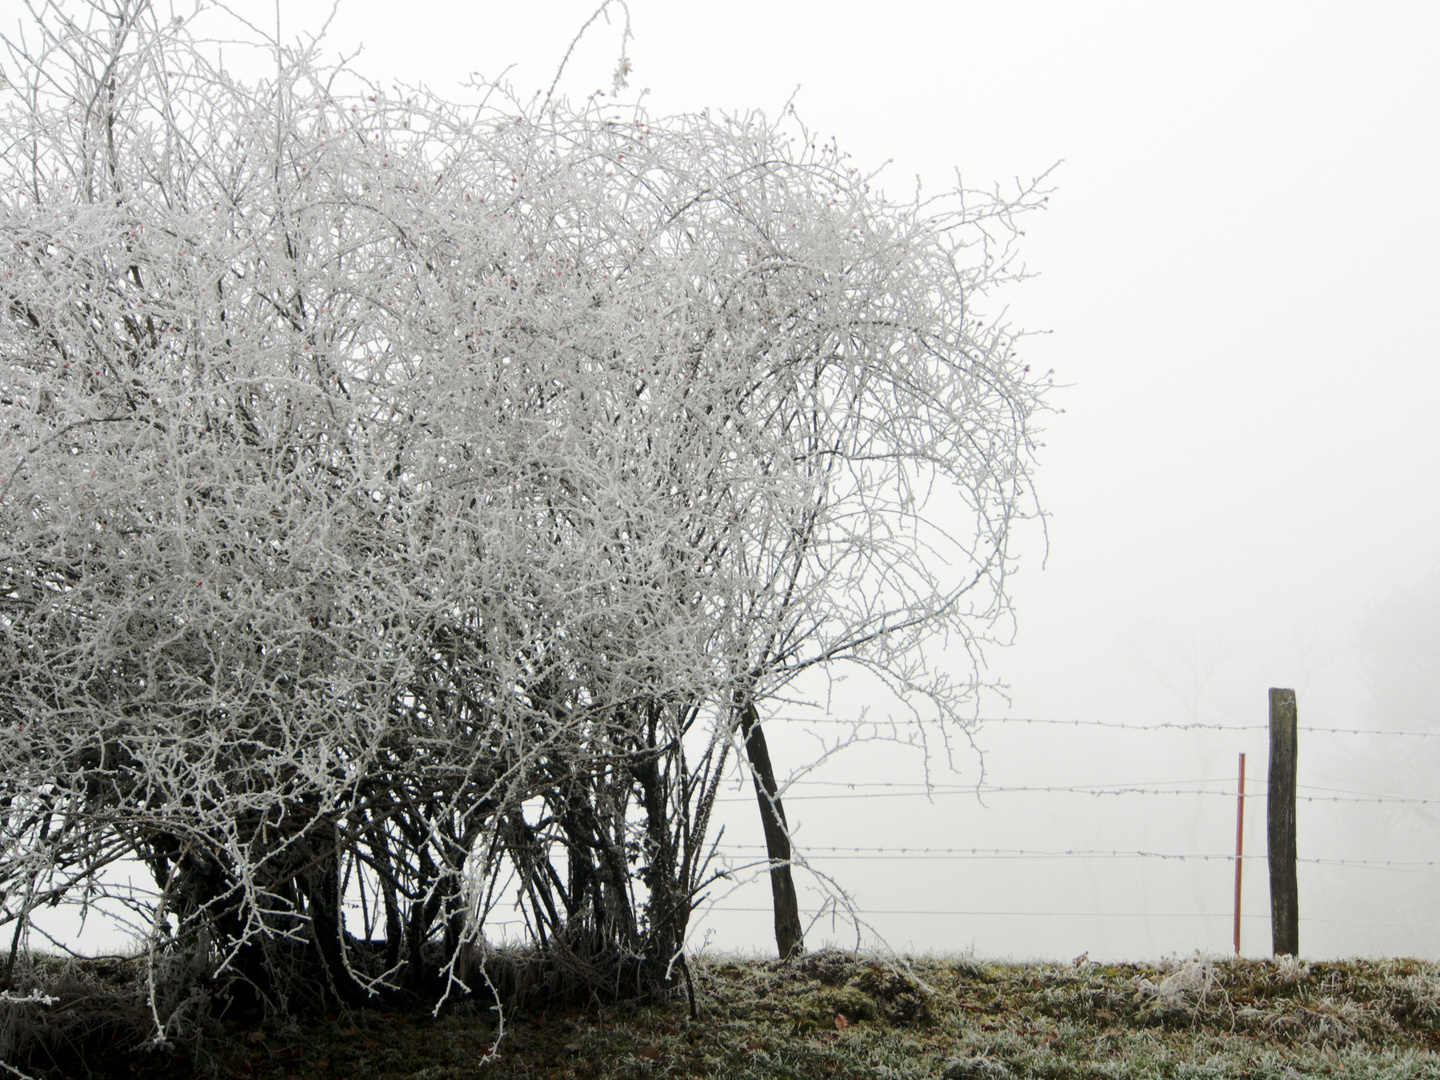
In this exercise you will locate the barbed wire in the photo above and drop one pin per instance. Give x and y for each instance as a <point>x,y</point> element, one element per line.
<point>878,853</point>
<point>1381,796</point>
<point>1125,725</point>
<point>858,791</point>
<point>1226,915</point>
<point>1119,725</point>
<point>1204,786</point>
<point>921,785</point>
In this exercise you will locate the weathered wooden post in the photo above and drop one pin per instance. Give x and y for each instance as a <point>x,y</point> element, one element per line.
<point>1280,825</point>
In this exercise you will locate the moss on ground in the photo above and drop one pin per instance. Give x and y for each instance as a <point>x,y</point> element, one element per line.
<point>833,1015</point>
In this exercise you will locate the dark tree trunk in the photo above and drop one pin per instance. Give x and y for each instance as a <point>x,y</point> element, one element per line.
<point>669,902</point>
<point>789,936</point>
<point>321,887</point>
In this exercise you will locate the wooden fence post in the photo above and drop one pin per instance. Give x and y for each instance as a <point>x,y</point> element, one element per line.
<point>1280,825</point>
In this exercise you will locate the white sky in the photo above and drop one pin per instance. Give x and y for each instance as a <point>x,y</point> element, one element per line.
<point>1234,273</point>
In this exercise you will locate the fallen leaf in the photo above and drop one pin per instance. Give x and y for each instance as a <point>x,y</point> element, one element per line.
<point>841,1022</point>
<point>572,1046</point>
<point>255,1037</point>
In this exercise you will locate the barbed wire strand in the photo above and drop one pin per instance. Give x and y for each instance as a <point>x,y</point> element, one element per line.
<point>920,787</point>
<point>1121,725</point>
<point>1095,790</point>
<point>834,852</point>
<point>1103,915</point>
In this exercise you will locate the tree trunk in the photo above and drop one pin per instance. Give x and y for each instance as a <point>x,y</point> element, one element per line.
<point>323,897</point>
<point>789,936</point>
<point>320,886</point>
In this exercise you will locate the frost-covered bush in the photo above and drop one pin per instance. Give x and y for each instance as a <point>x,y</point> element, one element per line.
<point>398,494</point>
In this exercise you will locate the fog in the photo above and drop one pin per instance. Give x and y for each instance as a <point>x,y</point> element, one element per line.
<point>1235,287</point>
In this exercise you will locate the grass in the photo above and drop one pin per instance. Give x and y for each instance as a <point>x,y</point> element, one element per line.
<point>833,1015</point>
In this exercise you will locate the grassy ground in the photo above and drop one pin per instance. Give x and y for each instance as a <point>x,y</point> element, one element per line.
<point>831,1015</point>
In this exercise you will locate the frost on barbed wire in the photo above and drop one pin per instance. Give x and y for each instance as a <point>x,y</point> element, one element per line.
<point>378,469</point>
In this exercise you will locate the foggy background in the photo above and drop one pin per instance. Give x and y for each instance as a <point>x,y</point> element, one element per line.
<point>1237,290</point>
